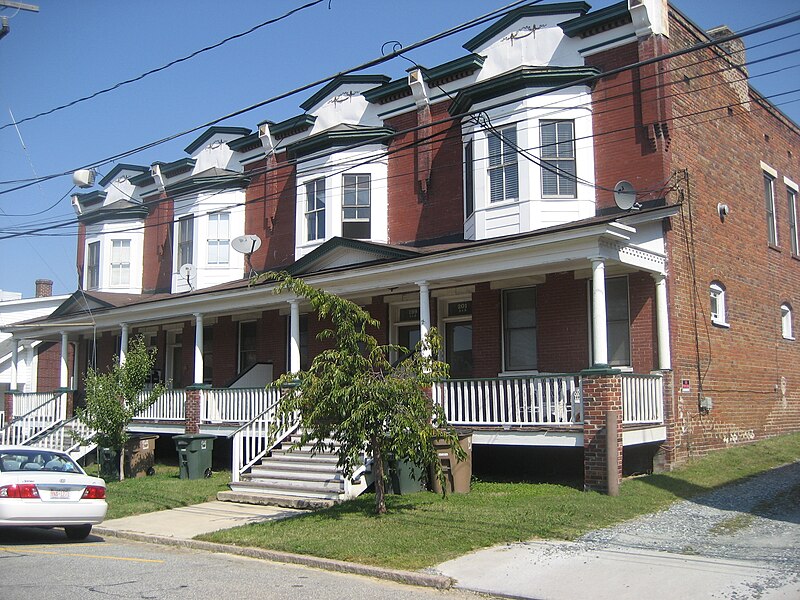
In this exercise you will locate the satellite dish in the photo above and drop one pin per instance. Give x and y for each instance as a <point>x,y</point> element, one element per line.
<point>246,244</point>
<point>83,178</point>
<point>625,195</point>
<point>187,271</point>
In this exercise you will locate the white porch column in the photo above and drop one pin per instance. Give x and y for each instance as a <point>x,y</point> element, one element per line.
<point>14,361</point>
<point>662,322</point>
<point>123,344</point>
<point>294,341</point>
<point>599,333</point>
<point>63,381</point>
<point>198,348</point>
<point>424,314</point>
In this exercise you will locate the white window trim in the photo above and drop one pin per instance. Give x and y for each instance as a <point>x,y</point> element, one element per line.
<point>548,160</point>
<point>773,210</point>
<point>792,192</point>
<point>99,269</point>
<point>317,212</point>
<point>503,365</point>
<point>124,267</point>
<point>720,320</point>
<point>787,327</point>
<point>220,242</point>
<point>489,167</point>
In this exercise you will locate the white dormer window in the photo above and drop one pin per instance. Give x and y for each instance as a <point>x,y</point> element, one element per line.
<point>356,213</point>
<point>93,266</point>
<point>503,166</point>
<point>120,263</point>
<point>315,210</point>
<point>558,159</point>
<point>218,238</point>
<point>185,241</point>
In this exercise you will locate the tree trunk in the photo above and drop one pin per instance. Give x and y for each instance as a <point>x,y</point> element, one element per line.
<point>380,483</point>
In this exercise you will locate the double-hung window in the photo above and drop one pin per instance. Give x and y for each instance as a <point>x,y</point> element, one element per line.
<point>356,206</point>
<point>185,241</point>
<point>93,266</point>
<point>218,238</point>
<point>618,326</point>
<point>769,200</point>
<point>718,309</point>
<point>786,322</point>
<point>120,263</point>
<point>792,199</point>
<point>469,181</point>
<point>503,166</point>
<point>315,210</point>
<point>558,159</point>
<point>519,330</point>
<point>247,345</point>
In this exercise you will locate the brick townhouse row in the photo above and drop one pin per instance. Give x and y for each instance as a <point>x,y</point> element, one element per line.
<point>486,197</point>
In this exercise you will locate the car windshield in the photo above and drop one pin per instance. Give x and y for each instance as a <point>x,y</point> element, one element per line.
<point>36,460</point>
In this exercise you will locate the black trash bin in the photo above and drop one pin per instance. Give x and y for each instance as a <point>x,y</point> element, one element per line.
<point>108,458</point>
<point>194,454</point>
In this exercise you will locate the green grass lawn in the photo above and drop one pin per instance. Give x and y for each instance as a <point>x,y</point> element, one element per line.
<point>160,491</point>
<point>424,529</point>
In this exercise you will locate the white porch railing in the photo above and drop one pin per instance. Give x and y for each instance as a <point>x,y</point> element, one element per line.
<point>235,405</point>
<point>252,441</point>
<point>26,426</point>
<point>642,399</point>
<point>26,402</point>
<point>513,401</point>
<point>170,406</point>
<point>72,436</point>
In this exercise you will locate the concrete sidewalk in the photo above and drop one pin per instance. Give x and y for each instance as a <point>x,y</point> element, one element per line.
<point>567,570</point>
<point>190,521</point>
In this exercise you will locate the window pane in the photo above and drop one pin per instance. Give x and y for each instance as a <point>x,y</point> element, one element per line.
<point>558,158</point>
<point>459,349</point>
<point>521,308</point>
<point>496,185</point>
<point>469,187</point>
<point>519,334</point>
<point>521,349</point>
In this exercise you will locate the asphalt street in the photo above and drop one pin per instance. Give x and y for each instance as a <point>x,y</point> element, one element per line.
<point>43,565</point>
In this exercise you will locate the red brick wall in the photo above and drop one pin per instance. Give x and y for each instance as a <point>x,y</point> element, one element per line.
<point>48,372</point>
<point>270,212</point>
<point>740,368</point>
<point>225,351</point>
<point>157,266</point>
<point>487,358</point>
<point>623,110</point>
<point>440,213</point>
<point>273,347</point>
<point>601,393</point>
<point>563,326</point>
<point>641,306</point>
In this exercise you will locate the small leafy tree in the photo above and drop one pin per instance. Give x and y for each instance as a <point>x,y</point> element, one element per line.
<point>354,395</point>
<point>113,398</point>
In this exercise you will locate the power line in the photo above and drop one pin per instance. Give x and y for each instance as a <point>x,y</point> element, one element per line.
<point>166,66</point>
<point>374,62</point>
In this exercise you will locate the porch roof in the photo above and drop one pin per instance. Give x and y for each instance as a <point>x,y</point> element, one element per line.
<point>356,269</point>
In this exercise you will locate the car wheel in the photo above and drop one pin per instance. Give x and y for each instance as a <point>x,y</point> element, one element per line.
<point>78,532</point>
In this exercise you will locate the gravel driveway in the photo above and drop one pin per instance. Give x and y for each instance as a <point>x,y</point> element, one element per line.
<point>739,542</point>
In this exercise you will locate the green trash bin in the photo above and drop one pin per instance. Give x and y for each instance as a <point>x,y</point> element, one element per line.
<point>194,454</point>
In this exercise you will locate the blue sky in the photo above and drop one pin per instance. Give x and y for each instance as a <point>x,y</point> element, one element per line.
<point>72,48</point>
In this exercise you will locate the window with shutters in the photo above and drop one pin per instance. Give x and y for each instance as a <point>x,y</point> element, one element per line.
<point>559,174</point>
<point>503,165</point>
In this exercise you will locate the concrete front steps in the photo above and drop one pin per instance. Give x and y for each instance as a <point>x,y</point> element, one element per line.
<point>291,478</point>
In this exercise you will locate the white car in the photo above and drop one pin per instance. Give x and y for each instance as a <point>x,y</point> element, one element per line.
<point>46,488</point>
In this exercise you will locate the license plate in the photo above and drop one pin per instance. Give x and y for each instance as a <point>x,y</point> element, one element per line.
<point>59,494</point>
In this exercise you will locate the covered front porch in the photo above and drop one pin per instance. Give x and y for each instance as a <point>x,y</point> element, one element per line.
<point>529,323</point>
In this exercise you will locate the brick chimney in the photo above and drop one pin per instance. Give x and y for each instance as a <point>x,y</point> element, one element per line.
<point>44,288</point>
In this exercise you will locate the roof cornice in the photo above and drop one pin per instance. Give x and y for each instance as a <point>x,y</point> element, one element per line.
<point>339,137</point>
<point>119,168</point>
<point>518,79</point>
<point>604,19</point>
<point>337,82</point>
<point>211,132</point>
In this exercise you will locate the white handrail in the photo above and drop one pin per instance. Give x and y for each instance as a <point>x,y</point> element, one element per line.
<point>253,440</point>
<point>553,400</point>
<point>68,437</point>
<point>27,426</point>
<point>642,399</point>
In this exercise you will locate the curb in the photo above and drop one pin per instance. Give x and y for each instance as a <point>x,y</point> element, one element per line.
<point>328,564</point>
